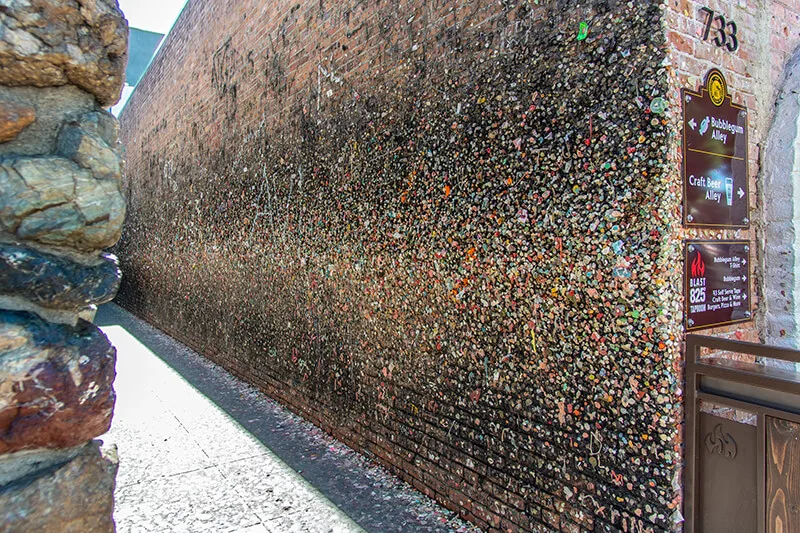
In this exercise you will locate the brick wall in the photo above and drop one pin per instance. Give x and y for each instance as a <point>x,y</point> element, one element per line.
<point>447,232</point>
<point>768,34</point>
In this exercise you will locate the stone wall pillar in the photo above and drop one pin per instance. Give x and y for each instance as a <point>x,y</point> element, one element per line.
<point>61,64</point>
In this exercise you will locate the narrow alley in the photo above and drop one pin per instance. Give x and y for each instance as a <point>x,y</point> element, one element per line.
<point>451,266</point>
<point>202,451</point>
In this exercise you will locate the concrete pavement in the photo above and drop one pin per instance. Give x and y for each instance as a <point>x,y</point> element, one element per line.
<point>201,451</point>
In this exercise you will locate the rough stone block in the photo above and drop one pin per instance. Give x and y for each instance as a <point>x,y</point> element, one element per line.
<point>55,383</point>
<point>14,466</point>
<point>73,497</point>
<point>54,282</point>
<point>54,106</point>
<point>54,201</point>
<point>49,43</point>
<point>90,142</point>
<point>13,119</point>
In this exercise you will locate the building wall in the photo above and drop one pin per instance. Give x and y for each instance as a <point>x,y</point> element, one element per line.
<point>781,210</point>
<point>768,34</point>
<point>447,232</point>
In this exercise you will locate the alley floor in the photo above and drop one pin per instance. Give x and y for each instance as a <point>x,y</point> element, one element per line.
<point>201,451</point>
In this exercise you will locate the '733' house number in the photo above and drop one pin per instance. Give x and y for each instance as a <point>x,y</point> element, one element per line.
<point>724,30</point>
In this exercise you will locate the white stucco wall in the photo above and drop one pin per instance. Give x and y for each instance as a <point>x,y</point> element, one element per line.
<point>780,195</point>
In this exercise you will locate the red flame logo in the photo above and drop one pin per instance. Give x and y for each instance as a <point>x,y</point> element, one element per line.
<point>698,267</point>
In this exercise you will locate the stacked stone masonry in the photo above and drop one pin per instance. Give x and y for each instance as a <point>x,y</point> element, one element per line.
<point>448,232</point>
<point>61,64</point>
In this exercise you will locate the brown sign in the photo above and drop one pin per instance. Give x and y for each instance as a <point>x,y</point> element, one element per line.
<point>715,177</point>
<point>717,290</point>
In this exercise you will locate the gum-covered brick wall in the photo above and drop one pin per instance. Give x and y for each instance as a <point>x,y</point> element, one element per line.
<point>441,230</point>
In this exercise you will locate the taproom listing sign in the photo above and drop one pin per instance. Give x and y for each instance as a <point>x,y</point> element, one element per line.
<point>717,291</point>
<point>715,177</point>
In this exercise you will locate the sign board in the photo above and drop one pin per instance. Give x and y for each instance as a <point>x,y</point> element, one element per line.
<point>717,283</point>
<point>715,176</point>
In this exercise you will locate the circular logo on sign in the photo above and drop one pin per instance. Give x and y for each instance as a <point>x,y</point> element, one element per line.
<point>716,87</point>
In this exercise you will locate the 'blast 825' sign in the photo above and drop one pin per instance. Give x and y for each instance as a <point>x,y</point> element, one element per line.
<point>717,283</point>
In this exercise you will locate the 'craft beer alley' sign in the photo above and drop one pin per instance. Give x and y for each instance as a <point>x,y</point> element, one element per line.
<point>715,192</point>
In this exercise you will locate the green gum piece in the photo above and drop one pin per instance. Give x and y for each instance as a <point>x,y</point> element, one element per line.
<point>583,31</point>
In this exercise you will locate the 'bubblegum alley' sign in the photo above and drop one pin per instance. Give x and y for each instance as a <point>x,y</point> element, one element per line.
<point>715,176</point>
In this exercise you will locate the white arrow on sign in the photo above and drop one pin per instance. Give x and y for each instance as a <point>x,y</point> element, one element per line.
<point>740,192</point>
<point>692,124</point>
